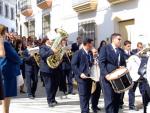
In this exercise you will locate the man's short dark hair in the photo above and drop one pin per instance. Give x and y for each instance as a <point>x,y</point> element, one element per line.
<point>139,43</point>
<point>87,41</point>
<point>115,35</point>
<point>127,42</point>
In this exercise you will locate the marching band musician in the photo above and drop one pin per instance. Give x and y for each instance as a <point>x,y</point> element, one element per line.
<point>127,54</point>
<point>50,76</point>
<point>76,46</point>
<point>81,63</point>
<point>96,71</point>
<point>139,48</point>
<point>31,71</point>
<point>143,71</point>
<point>67,72</point>
<point>111,58</point>
<point>148,86</point>
<point>132,64</point>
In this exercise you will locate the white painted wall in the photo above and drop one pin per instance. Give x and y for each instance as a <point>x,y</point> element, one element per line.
<point>63,15</point>
<point>11,24</point>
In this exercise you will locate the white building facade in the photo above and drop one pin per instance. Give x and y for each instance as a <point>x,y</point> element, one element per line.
<point>8,14</point>
<point>96,19</point>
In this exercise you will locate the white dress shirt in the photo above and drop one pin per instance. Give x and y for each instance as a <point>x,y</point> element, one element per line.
<point>114,47</point>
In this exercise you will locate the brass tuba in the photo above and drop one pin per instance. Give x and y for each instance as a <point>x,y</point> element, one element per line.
<point>53,61</point>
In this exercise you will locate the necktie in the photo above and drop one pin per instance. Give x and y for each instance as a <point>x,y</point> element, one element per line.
<point>129,53</point>
<point>117,52</point>
<point>118,56</point>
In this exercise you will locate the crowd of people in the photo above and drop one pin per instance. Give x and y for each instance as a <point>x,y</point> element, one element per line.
<point>78,63</point>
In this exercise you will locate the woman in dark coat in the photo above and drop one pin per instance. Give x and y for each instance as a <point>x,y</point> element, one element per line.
<point>10,66</point>
<point>2,54</point>
<point>103,43</point>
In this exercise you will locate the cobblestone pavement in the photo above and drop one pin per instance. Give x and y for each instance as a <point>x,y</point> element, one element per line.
<point>69,104</point>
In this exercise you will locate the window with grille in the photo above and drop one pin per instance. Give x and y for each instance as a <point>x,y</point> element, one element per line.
<point>25,4</point>
<point>45,24</point>
<point>87,30</point>
<point>12,14</point>
<point>6,11</point>
<point>31,29</point>
<point>1,8</point>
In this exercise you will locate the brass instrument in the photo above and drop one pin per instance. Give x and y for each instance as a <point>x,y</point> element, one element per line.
<point>144,52</point>
<point>53,61</point>
<point>34,52</point>
<point>36,57</point>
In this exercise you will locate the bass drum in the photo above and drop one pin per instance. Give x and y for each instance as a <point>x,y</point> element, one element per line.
<point>121,80</point>
<point>133,64</point>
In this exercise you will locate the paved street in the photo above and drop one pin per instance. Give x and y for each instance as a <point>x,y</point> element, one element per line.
<point>69,104</point>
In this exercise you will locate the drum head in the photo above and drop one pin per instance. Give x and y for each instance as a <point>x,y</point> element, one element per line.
<point>118,73</point>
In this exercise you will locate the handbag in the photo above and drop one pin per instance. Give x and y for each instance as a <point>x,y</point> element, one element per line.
<point>20,80</point>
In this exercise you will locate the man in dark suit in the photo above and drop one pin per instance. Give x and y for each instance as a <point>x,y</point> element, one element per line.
<point>136,83</point>
<point>139,48</point>
<point>31,74</point>
<point>75,46</point>
<point>127,54</point>
<point>111,58</point>
<point>81,63</point>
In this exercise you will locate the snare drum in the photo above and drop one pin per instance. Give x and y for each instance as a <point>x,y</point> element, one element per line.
<point>121,80</point>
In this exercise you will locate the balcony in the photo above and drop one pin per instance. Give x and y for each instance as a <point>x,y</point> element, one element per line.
<point>27,10</point>
<point>43,4</point>
<point>82,6</point>
<point>116,1</point>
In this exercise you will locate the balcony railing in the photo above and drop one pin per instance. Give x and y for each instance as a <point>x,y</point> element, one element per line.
<point>82,6</point>
<point>26,10</point>
<point>43,4</point>
<point>117,1</point>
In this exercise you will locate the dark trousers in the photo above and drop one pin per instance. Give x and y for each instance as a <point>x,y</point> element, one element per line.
<point>121,99</point>
<point>31,82</point>
<point>63,83</point>
<point>132,94</point>
<point>111,99</point>
<point>145,91</point>
<point>95,96</point>
<point>84,95</point>
<point>51,85</point>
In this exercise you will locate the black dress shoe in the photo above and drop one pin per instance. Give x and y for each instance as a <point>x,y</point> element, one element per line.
<point>22,92</point>
<point>121,106</point>
<point>95,111</point>
<point>55,102</point>
<point>98,109</point>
